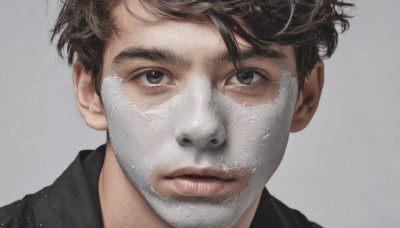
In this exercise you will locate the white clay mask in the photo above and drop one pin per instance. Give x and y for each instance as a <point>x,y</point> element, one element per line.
<point>200,158</point>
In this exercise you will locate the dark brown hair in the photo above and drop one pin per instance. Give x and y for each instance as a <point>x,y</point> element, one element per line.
<point>311,26</point>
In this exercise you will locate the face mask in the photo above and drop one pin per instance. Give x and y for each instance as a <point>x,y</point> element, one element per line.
<point>203,131</point>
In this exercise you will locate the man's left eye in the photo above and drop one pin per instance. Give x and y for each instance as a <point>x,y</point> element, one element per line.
<point>245,78</point>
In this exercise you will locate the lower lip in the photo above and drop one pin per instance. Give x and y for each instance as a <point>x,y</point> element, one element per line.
<point>206,187</point>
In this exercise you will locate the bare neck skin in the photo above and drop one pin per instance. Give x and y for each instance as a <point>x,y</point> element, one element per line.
<point>123,206</point>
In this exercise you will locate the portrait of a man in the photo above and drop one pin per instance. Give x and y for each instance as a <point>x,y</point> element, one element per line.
<point>198,99</point>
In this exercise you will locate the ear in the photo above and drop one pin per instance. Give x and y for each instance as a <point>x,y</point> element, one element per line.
<point>87,99</point>
<point>307,102</point>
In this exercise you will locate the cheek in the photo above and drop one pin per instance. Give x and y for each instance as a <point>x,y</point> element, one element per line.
<point>135,136</point>
<point>257,140</point>
<point>138,137</point>
<point>257,136</point>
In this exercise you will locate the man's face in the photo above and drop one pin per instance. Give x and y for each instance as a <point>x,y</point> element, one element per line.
<point>197,139</point>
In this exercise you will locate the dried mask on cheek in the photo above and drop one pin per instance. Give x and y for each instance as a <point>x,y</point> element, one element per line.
<point>147,138</point>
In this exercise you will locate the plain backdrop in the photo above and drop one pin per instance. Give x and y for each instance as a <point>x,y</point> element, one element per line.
<point>342,171</point>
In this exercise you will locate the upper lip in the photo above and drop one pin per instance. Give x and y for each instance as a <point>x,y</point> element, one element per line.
<point>201,172</point>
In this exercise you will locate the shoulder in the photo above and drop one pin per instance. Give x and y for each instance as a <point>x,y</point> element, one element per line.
<point>293,215</point>
<point>71,201</point>
<point>17,214</point>
<point>273,213</point>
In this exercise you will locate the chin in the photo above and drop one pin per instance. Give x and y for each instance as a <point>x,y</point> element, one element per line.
<point>201,211</point>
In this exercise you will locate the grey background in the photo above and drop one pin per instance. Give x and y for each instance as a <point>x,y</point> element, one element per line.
<point>342,171</point>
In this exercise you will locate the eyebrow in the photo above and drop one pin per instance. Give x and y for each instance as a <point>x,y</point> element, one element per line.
<point>153,54</point>
<point>267,53</point>
<point>168,56</point>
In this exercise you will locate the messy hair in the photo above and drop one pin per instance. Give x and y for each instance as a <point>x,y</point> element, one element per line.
<point>311,26</point>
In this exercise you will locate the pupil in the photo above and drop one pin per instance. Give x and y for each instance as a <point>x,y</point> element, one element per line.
<point>154,77</point>
<point>245,78</point>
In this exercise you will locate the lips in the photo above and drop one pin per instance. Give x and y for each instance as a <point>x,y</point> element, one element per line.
<point>201,173</point>
<point>186,183</point>
<point>200,182</point>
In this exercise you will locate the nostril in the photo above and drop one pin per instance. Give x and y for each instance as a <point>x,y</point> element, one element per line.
<point>214,141</point>
<point>186,140</point>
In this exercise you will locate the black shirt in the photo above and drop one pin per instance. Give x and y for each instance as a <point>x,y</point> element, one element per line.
<point>73,201</point>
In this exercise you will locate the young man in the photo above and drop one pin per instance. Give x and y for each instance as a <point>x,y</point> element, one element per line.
<point>198,99</point>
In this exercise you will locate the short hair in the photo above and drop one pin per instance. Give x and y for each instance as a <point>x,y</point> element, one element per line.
<point>311,26</point>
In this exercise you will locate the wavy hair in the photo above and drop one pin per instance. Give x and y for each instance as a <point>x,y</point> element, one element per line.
<point>311,26</point>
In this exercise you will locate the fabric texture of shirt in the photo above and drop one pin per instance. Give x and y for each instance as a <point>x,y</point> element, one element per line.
<point>73,201</point>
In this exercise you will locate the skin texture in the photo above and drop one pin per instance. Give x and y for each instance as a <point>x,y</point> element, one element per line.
<point>127,204</point>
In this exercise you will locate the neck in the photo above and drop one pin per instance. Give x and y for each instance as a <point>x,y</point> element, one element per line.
<point>123,206</point>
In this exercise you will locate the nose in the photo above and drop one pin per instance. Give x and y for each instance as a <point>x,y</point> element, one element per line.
<point>201,125</point>
<point>201,133</point>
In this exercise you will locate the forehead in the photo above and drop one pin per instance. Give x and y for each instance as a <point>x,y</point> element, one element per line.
<point>196,38</point>
<point>134,23</point>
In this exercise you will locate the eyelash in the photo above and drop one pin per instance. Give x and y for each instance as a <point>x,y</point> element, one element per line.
<point>155,89</point>
<point>247,70</point>
<point>249,89</point>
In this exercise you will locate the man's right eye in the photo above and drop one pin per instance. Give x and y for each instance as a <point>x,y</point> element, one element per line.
<point>153,78</point>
